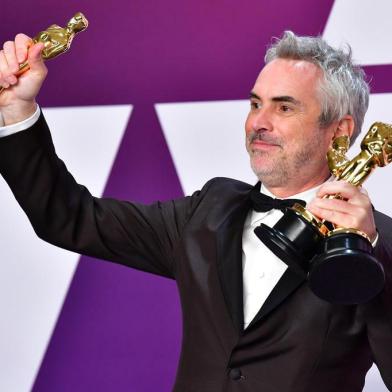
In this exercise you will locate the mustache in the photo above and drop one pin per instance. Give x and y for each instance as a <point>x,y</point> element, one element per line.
<point>263,137</point>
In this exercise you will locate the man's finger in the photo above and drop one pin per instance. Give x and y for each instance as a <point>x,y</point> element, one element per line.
<point>338,218</point>
<point>3,70</point>
<point>343,188</point>
<point>10,54</point>
<point>22,43</point>
<point>337,205</point>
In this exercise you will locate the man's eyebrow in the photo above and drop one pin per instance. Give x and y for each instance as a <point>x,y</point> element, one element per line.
<point>286,98</point>
<point>253,95</point>
<point>282,98</point>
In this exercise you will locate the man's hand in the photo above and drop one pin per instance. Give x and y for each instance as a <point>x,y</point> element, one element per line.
<point>17,102</point>
<point>354,212</point>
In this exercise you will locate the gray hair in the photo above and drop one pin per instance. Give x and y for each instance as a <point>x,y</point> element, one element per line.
<point>344,89</point>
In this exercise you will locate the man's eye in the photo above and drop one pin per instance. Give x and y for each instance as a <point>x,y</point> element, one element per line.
<point>255,105</point>
<point>285,108</point>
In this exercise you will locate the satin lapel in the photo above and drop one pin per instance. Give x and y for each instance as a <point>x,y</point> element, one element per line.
<point>229,247</point>
<point>289,281</point>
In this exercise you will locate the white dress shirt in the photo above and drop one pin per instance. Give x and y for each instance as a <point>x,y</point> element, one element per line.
<point>260,267</point>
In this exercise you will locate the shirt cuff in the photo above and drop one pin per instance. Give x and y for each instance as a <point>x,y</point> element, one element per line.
<point>20,126</point>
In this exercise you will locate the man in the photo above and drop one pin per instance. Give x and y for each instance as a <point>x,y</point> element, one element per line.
<point>250,323</point>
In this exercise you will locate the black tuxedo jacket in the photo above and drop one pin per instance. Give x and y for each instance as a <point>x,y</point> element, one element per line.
<point>296,343</point>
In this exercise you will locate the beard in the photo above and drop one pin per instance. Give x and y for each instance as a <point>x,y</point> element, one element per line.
<point>278,168</point>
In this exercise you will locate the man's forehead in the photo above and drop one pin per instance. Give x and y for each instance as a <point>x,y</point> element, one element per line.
<point>294,65</point>
<point>287,75</point>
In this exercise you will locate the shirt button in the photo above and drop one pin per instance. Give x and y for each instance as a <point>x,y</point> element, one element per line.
<point>235,374</point>
<point>261,275</point>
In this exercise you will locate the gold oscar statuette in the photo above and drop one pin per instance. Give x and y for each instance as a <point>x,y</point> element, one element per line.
<point>56,39</point>
<point>337,261</point>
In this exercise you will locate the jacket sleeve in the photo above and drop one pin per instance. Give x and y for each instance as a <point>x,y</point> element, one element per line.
<point>65,214</point>
<point>378,312</point>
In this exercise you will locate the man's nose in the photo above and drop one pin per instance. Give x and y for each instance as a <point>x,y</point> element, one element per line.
<point>262,120</point>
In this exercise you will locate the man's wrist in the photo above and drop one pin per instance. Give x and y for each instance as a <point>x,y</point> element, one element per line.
<point>17,113</point>
<point>20,126</point>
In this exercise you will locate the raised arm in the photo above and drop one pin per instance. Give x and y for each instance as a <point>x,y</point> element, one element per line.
<point>63,212</point>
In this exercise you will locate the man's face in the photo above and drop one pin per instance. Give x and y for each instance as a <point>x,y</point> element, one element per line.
<point>283,136</point>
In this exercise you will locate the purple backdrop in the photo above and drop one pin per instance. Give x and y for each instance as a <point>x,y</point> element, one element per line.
<point>120,329</point>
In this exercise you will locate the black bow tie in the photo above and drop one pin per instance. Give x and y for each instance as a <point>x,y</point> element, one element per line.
<point>264,203</point>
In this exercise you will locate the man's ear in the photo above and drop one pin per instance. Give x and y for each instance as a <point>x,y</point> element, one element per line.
<point>345,127</point>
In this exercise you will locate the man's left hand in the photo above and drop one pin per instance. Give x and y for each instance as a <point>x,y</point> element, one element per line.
<point>354,212</point>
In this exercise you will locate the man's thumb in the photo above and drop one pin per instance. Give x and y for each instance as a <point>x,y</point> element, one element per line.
<point>35,59</point>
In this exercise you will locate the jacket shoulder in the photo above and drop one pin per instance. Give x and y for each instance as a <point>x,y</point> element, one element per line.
<point>218,198</point>
<point>229,186</point>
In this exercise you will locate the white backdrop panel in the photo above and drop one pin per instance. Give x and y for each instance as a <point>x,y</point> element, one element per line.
<point>206,139</point>
<point>365,26</point>
<point>34,276</point>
